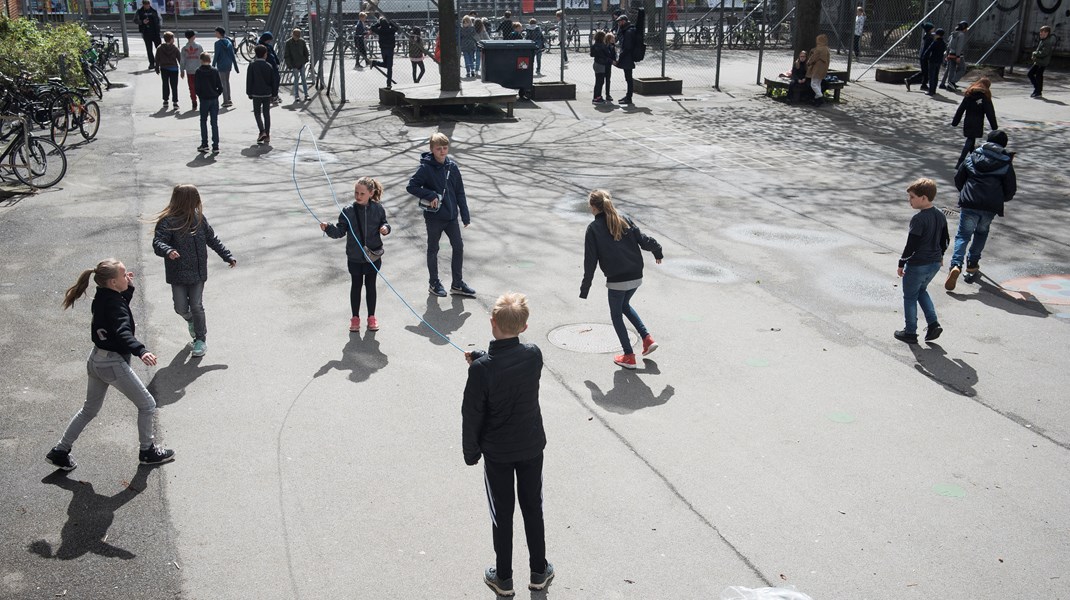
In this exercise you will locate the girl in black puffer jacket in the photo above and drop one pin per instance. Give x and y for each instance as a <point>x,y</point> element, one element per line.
<point>182,238</point>
<point>363,224</point>
<point>976,106</point>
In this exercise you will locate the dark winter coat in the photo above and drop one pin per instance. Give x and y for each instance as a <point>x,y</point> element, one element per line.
<point>1042,55</point>
<point>603,54</point>
<point>296,52</point>
<point>620,260</point>
<point>150,30</point>
<point>629,41</point>
<point>934,54</point>
<point>387,33</point>
<point>207,84</point>
<point>272,57</point>
<point>192,264</point>
<point>113,322</point>
<point>443,180</point>
<point>500,414</point>
<point>986,179</point>
<point>467,39</point>
<point>926,41</point>
<point>976,106</point>
<point>366,221</point>
<point>168,56</point>
<point>261,80</point>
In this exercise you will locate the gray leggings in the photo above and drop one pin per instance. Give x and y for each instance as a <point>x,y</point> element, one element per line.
<point>111,368</point>
<point>189,304</point>
<point>224,79</point>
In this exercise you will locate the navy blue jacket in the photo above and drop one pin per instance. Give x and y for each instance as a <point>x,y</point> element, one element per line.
<point>500,414</point>
<point>206,82</point>
<point>113,322</point>
<point>986,179</point>
<point>366,221</point>
<point>443,180</point>
<point>191,266</point>
<point>620,260</point>
<point>935,52</point>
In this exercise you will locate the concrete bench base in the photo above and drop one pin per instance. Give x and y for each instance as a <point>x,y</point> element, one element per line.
<point>553,90</point>
<point>658,86</point>
<point>420,96</point>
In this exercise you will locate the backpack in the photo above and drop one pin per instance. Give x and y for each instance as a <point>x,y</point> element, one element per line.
<point>639,50</point>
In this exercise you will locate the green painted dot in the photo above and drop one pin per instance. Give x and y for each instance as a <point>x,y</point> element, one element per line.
<point>691,318</point>
<point>948,490</point>
<point>524,264</point>
<point>841,417</point>
<point>757,362</point>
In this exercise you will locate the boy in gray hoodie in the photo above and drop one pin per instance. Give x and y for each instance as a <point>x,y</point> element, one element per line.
<point>190,62</point>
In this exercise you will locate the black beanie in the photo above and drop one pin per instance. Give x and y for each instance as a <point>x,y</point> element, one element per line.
<point>998,137</point>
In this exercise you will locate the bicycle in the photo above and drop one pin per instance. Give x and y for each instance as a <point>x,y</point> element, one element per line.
<point>246,48</point>
<point>29,157</point>
<point>108,51</point>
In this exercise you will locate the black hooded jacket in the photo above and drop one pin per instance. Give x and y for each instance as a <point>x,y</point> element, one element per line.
<point>443,179</point>
<point>366,221</point>
<point>976,107</point>
<point>620,260</point>
<point>986,179</point>
<point>113,322</point>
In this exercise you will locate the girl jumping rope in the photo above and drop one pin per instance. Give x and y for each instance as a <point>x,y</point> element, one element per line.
<point>183,237</point>
<point>109,362</point>
<point>366,219</point>
<point>614,243</point>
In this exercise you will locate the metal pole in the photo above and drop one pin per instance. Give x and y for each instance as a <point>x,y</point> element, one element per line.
<point>900,40</point>
<point>340,53</point>
<point>122,27</point>
<point>851,43</point>
<point>761,42</point>
<point>983,12</point>
<point>664,32</point>
<point>981,60</point>
<point>226,15</point>
<point>561,37</point>
<point>720,45</point>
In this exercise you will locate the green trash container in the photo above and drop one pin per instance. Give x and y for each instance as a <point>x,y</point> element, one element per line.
<point>509,63</point>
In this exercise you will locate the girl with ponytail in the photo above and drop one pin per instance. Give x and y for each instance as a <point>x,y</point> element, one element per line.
<point>363,224</point>
<point>614,244</point>
<point>114,343</point>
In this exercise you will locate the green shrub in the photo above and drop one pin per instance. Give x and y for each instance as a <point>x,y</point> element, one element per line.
<point>43,50</point>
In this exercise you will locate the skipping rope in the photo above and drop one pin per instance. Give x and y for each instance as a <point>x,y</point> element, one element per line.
<point>352,231</point>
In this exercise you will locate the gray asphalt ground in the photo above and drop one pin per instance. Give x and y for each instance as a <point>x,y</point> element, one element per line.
<point>780,436</point>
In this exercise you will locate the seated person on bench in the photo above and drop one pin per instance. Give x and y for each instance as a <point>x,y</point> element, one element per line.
<point>798,85</point>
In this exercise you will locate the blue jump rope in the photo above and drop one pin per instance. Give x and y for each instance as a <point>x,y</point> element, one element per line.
<point>352,231</point>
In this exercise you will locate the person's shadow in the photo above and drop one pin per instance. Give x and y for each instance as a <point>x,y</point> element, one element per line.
<point>991,293</point>
<point>629,392</point>
<point>360,357</point>
<point>954,374</point>
<point>444,321</point>
<point>169,383</point>
<point>89,516</point>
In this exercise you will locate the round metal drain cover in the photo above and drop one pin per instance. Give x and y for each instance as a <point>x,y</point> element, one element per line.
<point>590,338</point>
<point>698,270</point>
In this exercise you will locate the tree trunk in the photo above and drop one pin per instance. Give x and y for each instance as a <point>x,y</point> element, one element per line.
<point>807,25</point>
<point>449,67</point>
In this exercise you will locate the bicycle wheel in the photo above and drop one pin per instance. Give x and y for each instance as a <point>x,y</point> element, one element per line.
<point>39,163</point>
<point>101,76</point>
<point>88,118</point>
<point>60,121</point>
<point>246,50</point>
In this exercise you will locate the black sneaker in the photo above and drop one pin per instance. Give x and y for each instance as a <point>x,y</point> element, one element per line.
<point>933,332</point>
<point>156,456</point>
<point>61,459</point>
<point>539,581</point>
<point>903,336</point>
<point>502,587</point>
<point>462,290</point>
<point>202,148</point>
<point>437,289</point>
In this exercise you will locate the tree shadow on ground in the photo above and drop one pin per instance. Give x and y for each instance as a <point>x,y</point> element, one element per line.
<point>444,321</point>
<point>89,516</point>
<point>990,293</point>
<point>629,392</point>
<point>952,373</point>
<point>169,383</point>
<point>361,357</point>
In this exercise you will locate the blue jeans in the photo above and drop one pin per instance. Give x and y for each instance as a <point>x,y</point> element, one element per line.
<point>972,224</point>
<point>210,109</point>
<point>620,307</point>
<point>915,279</point>
<point>479,60</point>
<point>299,73</point>
<point>538,61</point>
<point>470,64</point>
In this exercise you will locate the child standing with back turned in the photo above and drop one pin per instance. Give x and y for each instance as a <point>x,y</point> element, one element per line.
<point>926,243</point>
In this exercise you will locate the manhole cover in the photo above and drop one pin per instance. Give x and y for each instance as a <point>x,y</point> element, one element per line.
<point>775,236</point>
<point>693,269</point>
<point>573,208</point>
<point>1046,289</point>
<point>590,338</point>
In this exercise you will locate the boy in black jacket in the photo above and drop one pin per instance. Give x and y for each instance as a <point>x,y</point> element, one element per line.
<point>208,86</point>
<point>261,85</point>
<point>501,421</point>
<point>924,251</point>
<point>933,56</point>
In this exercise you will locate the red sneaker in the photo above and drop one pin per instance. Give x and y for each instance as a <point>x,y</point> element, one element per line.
<point>373,324</point>
<point>625,360</point>
<point>354,324</point>
<point>649,345</point>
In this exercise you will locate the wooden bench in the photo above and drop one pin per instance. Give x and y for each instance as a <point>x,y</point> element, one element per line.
<point>419,96</point>
<point>773,87</point>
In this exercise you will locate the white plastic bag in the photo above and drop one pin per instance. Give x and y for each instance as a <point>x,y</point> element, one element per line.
<point>736,592</point>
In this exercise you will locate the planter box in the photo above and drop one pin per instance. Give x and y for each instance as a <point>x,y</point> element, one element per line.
<point>896,75</point>
<point>552,90</point>
<point>390,97</point>
<point>658,86</point>
<point>988,70</point>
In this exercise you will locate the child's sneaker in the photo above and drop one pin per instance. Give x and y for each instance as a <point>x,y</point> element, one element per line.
<point>200,348</point>
<point>175,105</point>
<point>903,336</point>
<point>373,324</point>
<point>539,581</point>
<point>502,587</point>
<point>649,345</point>
<point>625,360</point>
<point>599,100</point>
<point>156,455</point>
<point>354,324</point>
<point>61,459</point>
<point>202,148</point>
<point>462,289</point>
<point>952,277</point>
<point>933,332</point>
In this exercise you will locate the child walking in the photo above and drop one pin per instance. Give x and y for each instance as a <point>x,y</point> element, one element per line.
<point>182,238</point>
<point>191,61</point>
<point>209,86</point>
<point>976,106</point>
<point>615,244</point>
<point>1041,59</point>
<point>114,343</point>
<point>927,241</point>
<point>168,58</point>
<point>501,422</point>
<point>416,54</point>
<point>366,219</point>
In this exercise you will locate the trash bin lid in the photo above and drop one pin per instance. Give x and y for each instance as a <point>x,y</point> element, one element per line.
<point>507,44</point>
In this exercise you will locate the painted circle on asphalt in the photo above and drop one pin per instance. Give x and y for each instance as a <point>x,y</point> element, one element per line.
<point>694,269</point>
<point>1046,289</point>
<point>949,490</point>
<point>573,208</point>
<point>757,362</point>
<point>691,318</point>
<point>775,236</point>
<point>589,338</point>
<point>841,417</point>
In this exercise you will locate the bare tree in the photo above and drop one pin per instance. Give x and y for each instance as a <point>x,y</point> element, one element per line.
<point>449,66</point>
<point>807,24</point>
